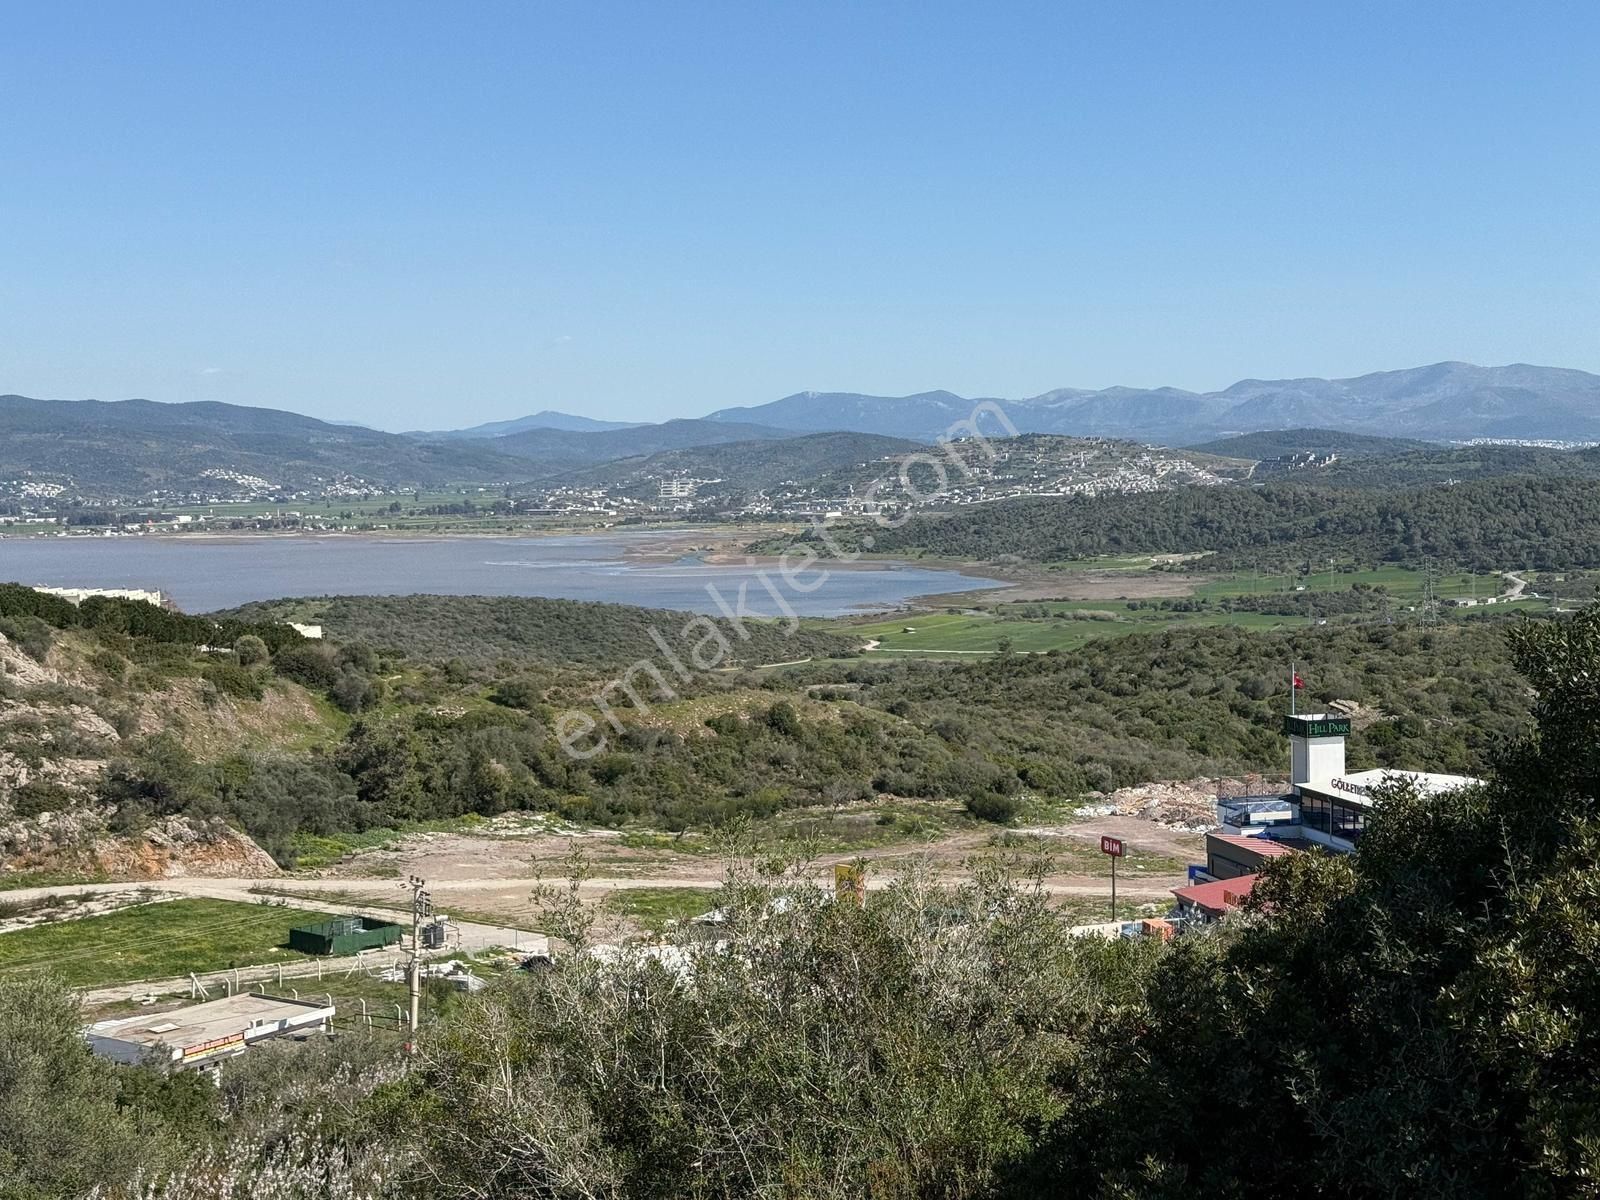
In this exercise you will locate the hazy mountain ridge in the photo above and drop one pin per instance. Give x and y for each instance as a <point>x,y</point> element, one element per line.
<point>559,449</point>
<point>546,419</point>
<point>137,449</point>
<point>1441,402</point>
<point>142,447</point>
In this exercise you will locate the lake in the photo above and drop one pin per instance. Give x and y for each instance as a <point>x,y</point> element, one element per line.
<point>203,573</point>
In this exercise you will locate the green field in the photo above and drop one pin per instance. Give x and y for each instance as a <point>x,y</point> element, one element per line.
<point>1040,626</point>
<point>155,941</point>
<point>654,907</point>
<point>1404,584</point>
<point>985,632</point>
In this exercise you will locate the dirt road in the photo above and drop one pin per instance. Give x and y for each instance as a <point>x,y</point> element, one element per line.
<point>490,879</point>
<point>466,937</point>
<point>495,876</point>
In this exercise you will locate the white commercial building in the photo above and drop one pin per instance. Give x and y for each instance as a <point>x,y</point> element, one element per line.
<point>1333,804</point>
<point>202,1035</point>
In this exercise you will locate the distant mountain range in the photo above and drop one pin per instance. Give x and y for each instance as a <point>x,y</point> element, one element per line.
<point>1442,402</point>
<point>539,420</point>
<point>552,450</point>
<point>134,448</point>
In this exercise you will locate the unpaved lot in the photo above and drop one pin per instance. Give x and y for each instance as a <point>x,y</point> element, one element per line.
<point>494,876</point>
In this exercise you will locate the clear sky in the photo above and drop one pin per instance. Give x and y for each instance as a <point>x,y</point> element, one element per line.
<point>428,214</point>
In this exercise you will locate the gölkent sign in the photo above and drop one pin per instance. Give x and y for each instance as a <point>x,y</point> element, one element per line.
<point>1111,846</point>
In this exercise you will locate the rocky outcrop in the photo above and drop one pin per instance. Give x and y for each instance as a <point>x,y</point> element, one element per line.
<point>78,842</point>
<point>17,667</point>
<point>55,741</point>
<point>180,848</point>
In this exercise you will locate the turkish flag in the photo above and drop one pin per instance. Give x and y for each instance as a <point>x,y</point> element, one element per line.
<point>1299,684</point>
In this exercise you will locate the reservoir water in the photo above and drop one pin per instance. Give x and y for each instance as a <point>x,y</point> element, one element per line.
<point>204,572</point>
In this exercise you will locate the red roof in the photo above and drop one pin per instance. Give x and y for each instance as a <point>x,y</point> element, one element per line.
<point>1265,847</point>
<point>1220,896</point>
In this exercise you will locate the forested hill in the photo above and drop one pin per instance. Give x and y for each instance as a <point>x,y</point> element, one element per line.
<point>1488,524</point>
<point>137,447</point>
<point>737,466</point>
<point>148,723</point>
<point>1439,464</point>
<point>531,629</point>
<point>1274,443</point>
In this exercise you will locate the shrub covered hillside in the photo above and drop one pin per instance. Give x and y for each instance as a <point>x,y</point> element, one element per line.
<point>488,629</point>
<point>322,738</point>
<point>1420,1018</point>
<point>1489,524</point>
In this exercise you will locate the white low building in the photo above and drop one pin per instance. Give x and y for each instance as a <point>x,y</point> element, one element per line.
<point>79,595</point>
<point>203,1035</point>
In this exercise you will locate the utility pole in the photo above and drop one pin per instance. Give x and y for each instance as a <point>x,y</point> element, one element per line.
<point>421,906</point>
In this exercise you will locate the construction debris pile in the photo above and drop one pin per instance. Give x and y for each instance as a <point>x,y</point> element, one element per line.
<point>1189,805</point>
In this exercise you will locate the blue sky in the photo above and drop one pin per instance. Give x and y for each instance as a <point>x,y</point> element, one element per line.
<point>416,214</point>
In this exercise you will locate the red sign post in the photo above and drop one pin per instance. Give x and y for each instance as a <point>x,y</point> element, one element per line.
<point>1112,847</point>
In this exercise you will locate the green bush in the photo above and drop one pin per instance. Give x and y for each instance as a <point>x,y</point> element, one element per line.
<point>233,680</point>
<point>250,651</point>
<point>37,796</point>
<point>992,806</point>
<point>110,663</point>
<point>353,692</point>
<point>29,632</point>
<point>312,665</point>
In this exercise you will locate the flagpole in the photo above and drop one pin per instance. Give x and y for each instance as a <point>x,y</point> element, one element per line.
<point>1291,688</point>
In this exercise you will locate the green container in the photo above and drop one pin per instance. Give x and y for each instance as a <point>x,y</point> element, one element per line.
<point>344,935</point>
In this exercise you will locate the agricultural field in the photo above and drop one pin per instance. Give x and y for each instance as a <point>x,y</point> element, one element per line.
<point>1039,626</point>
<point>1070,625</point>
<point>154,941</point>
<point>1405,585</point>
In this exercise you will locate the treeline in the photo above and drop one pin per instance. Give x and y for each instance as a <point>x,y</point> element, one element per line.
<point>1359,598</point>
<point>23,608</point>
<point>531,629</point>
<point>1527,523</point>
